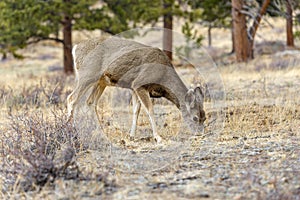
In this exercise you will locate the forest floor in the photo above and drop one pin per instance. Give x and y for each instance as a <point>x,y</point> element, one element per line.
<point>250,148</point>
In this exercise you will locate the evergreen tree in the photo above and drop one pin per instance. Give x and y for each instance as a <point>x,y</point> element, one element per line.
<point>30,21</point>
<point>136,12</point>
<point>211,13</point>
<point>142,12</point>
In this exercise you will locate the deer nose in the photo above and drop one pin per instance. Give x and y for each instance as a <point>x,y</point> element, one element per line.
<point>195,118</point>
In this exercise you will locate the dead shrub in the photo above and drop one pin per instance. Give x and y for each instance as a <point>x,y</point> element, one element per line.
<point>38,146</point>
<point>37,150</point>
<point>279,64</point>
<point>50,91</point>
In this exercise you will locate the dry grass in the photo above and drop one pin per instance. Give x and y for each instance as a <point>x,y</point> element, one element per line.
<point>255,156</point>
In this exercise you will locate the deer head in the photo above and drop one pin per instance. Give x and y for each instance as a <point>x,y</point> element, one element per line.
<point>195,115</point>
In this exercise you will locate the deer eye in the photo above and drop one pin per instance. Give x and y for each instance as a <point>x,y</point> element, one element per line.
<point>195,118</point>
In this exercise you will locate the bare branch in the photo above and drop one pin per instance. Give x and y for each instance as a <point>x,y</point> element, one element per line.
<point>258,17</point>
<point>38,39</point>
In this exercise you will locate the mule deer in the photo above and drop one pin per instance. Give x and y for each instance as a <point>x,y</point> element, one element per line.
<point>145,70</point>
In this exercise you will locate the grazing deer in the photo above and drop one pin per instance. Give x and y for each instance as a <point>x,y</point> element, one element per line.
<point>145,70</point>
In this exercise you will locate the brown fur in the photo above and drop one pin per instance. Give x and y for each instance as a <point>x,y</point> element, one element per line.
<point>145,70</point>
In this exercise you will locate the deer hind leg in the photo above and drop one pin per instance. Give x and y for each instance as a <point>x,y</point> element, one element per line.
<point>144,97</point>
<point>136,104</point>
<point>95,96</point>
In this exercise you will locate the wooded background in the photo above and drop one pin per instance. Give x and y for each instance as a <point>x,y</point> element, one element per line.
<point>30,21</point>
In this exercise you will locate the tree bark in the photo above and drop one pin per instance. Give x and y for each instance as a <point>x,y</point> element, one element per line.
<point>67,44</point>
<point>258,18</point>
<point>244,42</point>
<point>256,23</point>
<point>209,35</point>
<point>232,38</point>
<point>168,27</point>
<point>241,41</point>
<point>4,56</point>
<point>289,24</point>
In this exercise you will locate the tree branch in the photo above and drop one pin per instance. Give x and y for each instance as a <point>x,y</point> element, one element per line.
<point>258,17</point>
<point>38,39</point>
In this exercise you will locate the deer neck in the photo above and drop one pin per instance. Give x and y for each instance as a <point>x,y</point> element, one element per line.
<point>175,92</point>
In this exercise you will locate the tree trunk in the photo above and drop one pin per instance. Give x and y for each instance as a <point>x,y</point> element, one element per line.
<point>289,24</point>
<point>241,41</point>
<point>4,56</point>
<point>232,37</point>
<point>209,35</point>
<point>67,43</point>
<point>256,22</point>
<point>168,26</point>
<point>244,42</point>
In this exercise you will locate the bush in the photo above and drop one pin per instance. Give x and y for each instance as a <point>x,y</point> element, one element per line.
<point>37,150</point>
<point>37,143</point>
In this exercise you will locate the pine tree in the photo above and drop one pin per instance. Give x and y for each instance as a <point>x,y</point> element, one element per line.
<point>212,14</point>
<point>30,21</point>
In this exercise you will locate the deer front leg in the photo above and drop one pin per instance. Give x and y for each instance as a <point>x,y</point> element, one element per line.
<point>145,99</point>
<point>70,107</point>
<point>136,105</point>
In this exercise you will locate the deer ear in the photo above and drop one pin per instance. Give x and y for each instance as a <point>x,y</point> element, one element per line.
<point>199,94</point>
<point>189,99</point>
